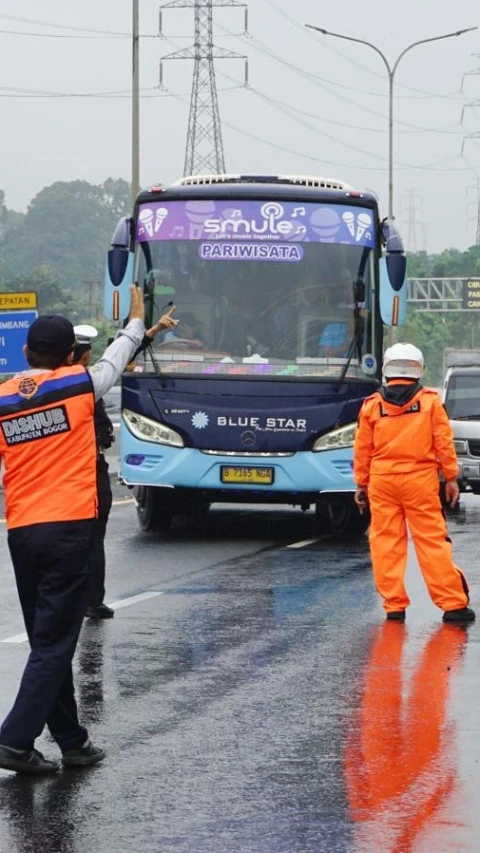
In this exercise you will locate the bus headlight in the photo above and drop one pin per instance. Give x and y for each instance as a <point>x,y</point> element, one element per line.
<point>460,446</point>
<point>147,430</point>
<point>342,437</point>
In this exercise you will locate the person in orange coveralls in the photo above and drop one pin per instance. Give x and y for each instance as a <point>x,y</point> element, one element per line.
<point>400,760</point>
<point>403,438</point>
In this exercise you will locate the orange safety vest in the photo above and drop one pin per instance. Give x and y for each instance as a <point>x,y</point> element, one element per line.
<point>404,439</point>
<point>47,441</point>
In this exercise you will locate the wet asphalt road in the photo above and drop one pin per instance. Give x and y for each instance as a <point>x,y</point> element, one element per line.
<point>252,699</point>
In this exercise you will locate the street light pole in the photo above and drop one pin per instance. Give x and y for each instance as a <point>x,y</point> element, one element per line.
<point>135,102</point>
<point>391,71</point>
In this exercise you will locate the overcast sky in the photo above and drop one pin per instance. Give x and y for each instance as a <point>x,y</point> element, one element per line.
<point>316,105</point>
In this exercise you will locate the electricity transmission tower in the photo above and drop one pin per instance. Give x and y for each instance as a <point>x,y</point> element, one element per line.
<point>476,203</point>
<point>414,218</point>
<point>204,150</point>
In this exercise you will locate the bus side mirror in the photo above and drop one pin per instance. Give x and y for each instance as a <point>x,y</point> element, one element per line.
<point>118,278</point>
<point>117,261</point>
<point>393,289</point>
<point>119,271</point>
<point>123,232</point>
<point>393,272</point>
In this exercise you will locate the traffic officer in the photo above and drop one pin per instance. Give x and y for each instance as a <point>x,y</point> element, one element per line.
<point>403,438</point>
<point>104,434</point>
<point>47,442</point>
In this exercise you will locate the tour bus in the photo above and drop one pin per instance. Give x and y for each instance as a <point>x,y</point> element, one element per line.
<point>282,287</point>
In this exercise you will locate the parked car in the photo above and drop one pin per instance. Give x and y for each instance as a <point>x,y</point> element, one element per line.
<point>461,397</point>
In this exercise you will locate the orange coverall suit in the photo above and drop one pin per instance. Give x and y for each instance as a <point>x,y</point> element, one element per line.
<point>403,438</point>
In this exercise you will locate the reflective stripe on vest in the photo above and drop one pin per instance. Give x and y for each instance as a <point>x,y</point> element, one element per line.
<point>47,440</point>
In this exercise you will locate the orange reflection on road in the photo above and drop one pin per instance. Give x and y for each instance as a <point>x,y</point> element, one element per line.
<point>400,758</point>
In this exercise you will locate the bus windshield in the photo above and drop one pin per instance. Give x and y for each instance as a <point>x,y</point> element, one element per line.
<point>261,287</point>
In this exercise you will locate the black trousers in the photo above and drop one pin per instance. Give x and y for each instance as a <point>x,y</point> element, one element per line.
<point>51,570</point>
<point>96,563</point>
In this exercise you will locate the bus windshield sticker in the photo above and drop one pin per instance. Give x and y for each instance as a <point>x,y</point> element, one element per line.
<point>250,252</point>
<point>270,221</point>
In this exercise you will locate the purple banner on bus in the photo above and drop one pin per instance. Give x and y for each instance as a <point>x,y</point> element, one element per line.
<point>253,220</point>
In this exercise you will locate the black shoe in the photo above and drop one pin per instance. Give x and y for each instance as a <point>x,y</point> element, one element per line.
<point>31,763</point>
<point>83,756</point>
<point>100,612</point>
<point>463,614</point>
<point>396,615</point>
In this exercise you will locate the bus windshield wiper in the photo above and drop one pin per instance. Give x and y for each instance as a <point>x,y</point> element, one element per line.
<point>358,287</point>
<point>149,347</point>
<point>350,352</point>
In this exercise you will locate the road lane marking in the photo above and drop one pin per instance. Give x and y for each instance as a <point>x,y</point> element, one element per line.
<point>134,599</point>
<point>116,605</point>
<point>303,543</point>
<point>18,638</point>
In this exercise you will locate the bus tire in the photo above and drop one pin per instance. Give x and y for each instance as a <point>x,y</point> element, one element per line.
<point>338,515</point>
<point>152,510</point>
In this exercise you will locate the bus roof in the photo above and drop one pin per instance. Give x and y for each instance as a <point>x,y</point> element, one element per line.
<point>296,180</point>
<point>253,186</point>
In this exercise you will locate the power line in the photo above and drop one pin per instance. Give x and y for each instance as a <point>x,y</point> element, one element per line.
<point>62,36</point>
<point>298,25</point>
<point>285,110</point>
<point>348,125</point>
<point>318,81</point>
<point>323,161</point>
<point>56,26</point>
<point>8,92</point>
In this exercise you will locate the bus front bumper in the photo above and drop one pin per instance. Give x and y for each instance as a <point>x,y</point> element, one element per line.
<point>147,464</point>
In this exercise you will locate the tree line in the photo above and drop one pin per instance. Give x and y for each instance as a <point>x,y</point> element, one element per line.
<point>57,248</point>
<point>436,332</point>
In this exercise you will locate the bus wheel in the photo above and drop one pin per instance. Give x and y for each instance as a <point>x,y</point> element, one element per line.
<point>152,511</point>
<point>338,515</point>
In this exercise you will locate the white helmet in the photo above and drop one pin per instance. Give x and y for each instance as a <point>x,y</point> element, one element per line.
<point>403,360</point>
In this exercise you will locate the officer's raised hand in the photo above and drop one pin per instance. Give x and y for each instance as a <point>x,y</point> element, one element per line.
<point>137,305</point>
<point>166,321</point>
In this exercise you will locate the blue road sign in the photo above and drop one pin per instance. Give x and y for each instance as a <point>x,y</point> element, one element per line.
<point>14,326</point>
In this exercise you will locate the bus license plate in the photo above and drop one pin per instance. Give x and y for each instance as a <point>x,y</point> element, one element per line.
<point>239,474</point>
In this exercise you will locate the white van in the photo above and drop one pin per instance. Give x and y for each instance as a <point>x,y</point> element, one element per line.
<point>461,397</point>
